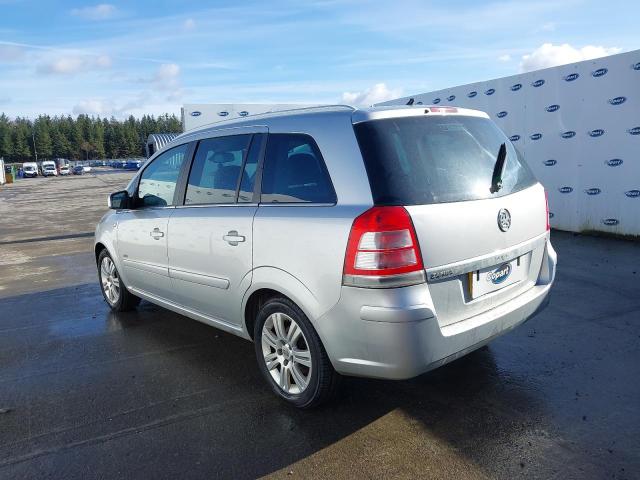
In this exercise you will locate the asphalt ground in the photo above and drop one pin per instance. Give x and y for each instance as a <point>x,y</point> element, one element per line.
<point>86,393</point>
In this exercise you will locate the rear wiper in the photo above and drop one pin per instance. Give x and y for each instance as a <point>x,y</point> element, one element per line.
<point>498,169</point>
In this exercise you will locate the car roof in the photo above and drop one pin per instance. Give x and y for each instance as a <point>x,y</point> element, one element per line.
<point>357,114</point>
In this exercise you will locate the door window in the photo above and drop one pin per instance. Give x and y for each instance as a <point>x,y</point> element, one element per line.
<point>159,178</point>
<point>294,171</point>
<point>216,170</point>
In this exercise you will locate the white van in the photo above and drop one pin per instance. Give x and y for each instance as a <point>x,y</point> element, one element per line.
<point>49,168</point>
<point>30,169</point>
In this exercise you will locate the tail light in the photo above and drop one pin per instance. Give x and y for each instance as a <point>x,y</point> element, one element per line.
<point>383,250</point>
<point>546,201</point>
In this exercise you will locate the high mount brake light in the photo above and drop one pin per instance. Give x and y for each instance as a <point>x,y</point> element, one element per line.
<point>383,250</point>
<point>442,110</point>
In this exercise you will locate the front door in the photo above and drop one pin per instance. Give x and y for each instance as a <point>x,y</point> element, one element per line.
<point>143,231</point>
<point>211,241</point>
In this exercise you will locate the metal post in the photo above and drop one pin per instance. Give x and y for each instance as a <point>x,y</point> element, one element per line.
<point>33,136</point>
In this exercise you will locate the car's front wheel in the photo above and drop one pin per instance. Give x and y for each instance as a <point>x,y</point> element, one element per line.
<point>291,356</point>
<point>114,291</point>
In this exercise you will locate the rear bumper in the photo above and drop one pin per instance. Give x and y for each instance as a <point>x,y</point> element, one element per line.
<point>395,334</point>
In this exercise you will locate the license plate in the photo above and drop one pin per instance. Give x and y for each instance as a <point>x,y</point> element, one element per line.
<point>496,277</point>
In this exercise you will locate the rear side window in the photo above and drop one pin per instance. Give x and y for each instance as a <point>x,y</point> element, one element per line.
<point>422,160</point>
<point>216,169</point>
<point>294,171</point>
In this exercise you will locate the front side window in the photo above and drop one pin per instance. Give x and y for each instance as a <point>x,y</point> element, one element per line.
<point>216,170</point>
<point>158,180</point>
<point>294,171</point>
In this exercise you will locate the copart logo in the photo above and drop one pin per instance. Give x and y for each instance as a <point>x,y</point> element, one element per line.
<point>549,163</point>
<point>614,162</point>
<point>636,66</point>
<point>538,83</point>
<point>451,98</point>
<point>535,136</point>
<point>223,113</point>
<point>514,138</point>
<point>568,134</point>
<point>516,87</point>
<point>598,132</point>
<point>634,131</point>
<point>491,91</point>
<point>632,193</point>
<point>610,222</point>
<point>593,191</point>
<point>243,113</point>
<point>565,189</point>
<point>436,101</point>
<point>500,274</point>
<point>551,214</point>
<point>472,94</point>
<point>599,73</point>
<point>552,108</point>
<point>501,114</point>
<point>571,77</point>
<point>617,100</point>
<point>196,114</point>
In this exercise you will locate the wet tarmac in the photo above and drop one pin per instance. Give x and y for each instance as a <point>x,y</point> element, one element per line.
<point>85,393</point>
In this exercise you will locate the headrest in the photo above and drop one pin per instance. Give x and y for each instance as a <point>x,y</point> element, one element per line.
<point>223,157</point>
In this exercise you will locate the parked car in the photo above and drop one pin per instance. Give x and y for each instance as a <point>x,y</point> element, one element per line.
<point>381,242</point>
<point>30,169</point>
<point>49,168</point>
<point>78,170</point>
<point>64,169</point>
<point>87,168</point>
<point>132,165</point>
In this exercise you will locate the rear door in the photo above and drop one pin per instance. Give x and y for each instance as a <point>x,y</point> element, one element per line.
<point>480,248</point>
<point>143,231</point>
<point>211,237</point>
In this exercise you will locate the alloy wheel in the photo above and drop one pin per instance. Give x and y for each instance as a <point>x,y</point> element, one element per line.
<point>110,280</point>
<point>286,353</point>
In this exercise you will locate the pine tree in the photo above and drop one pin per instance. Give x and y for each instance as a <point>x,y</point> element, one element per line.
<point>44,145</point>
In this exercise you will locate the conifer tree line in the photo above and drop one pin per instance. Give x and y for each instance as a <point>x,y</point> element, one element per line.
<point>81,138</point>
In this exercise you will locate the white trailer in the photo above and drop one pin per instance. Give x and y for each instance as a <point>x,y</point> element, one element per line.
<point>578,127</point>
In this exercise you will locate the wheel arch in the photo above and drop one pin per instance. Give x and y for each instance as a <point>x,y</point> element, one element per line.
<point>270,282</point>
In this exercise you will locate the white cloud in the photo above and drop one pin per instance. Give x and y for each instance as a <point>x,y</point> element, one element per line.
<point>189,24</point>
<point>69,64</point>
<point>102,11</point>
<point>107,108</point>
<point>376,94</point>
<point>504,58</point>
<point>11,53</point>
<point>549,55</point>
<point>93,107</point>
<point>167,77</point>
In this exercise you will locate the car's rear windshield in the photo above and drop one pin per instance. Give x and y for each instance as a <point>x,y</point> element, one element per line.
<point>438,159</point>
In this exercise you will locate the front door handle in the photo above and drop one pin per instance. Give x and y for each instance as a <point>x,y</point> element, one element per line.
<point>232,238</point>
<point>156,233</point>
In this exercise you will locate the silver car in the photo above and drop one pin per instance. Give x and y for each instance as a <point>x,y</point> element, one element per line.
<point>378,242</point>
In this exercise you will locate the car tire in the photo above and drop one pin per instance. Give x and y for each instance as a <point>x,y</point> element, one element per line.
<point>308,379</point>
<point>114,291</point>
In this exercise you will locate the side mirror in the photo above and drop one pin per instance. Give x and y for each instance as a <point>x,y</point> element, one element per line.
<point>119,200</point>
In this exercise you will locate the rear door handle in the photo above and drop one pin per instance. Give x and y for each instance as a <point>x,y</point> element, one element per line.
<point>156,233</point>
<point>233,238</point>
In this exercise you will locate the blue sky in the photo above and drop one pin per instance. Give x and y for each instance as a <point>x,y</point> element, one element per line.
<point>117,58</point>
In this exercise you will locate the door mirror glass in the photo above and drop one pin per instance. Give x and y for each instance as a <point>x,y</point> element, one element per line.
<point>119,200</point>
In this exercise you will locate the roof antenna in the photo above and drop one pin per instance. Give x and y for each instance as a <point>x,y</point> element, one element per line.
<point>410,102</point>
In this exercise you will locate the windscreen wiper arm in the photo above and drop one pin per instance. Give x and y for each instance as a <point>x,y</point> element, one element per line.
<point>498,169</point>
